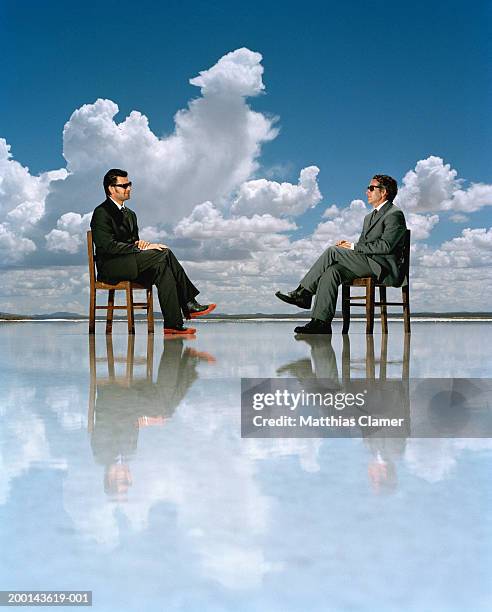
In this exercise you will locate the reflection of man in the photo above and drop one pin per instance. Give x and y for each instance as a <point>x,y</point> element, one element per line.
<point>322,364</point>
<point>377,253</point>
<point>121,255</point>
<point>386,398</point>
<point>381,468</point>
<point>121,411</point>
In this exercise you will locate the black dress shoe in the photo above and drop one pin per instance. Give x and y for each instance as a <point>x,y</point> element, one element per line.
<point>300,297</point>
<point>315,326</point>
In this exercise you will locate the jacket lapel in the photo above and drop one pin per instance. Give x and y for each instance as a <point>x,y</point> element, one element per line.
<point>379,217</point>
<point>129,217</point>
<point>114,211</point>
<point>119,218</point>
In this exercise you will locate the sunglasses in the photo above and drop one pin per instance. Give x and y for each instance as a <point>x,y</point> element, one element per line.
<point>123,185</point>
<point>373,187</point>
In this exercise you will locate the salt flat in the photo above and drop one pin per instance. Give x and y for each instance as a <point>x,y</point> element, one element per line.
<point>124,472</point>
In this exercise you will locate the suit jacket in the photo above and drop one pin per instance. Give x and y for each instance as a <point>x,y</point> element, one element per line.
<point>382,241</point>
<point>114,237</point>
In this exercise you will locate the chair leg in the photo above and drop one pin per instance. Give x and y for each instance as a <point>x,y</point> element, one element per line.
<point>384,310</point>
<point>110,312</point>
<point>150,357</point>
<point>346,358</point>
<point>129,309</point>
<point>383,360</point>
<point>130,358</point>
<point>406,358</point>
<point>370,306</point>
<point>406,308</point>
<point>150,311</point>
<point>92,312</point>
<point>110,357</point>
<point>370,358</point>
<point>345,308</point>
<point>92,386</point>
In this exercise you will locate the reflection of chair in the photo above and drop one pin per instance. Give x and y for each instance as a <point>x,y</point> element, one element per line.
<point>127,286</point>
<point>112,379</point>
<point>369,302</point>
<point>369,362</point>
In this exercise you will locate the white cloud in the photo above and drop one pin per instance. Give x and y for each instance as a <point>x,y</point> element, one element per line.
<point>470,200</point>
<point>21,194</point>
<point>22,198</point>
<point>207,222</point>
<point>13,248</point>
<point>153,234</point>
<point>425,188</point>
<point>210,237</point>
<point>457,276</point>
<point>421,225</point>
<point>434,186</point>
<point>473,249</point>
<point>435,459</point>
<point>344,223</point>
<point>70,233</point>
<point>237,74</point>
<point>262,196</point>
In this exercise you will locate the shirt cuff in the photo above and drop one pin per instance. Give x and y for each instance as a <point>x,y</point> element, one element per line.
<point>352,246</point>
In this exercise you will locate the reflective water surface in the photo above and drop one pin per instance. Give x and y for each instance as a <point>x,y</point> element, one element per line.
<point>122,471</point>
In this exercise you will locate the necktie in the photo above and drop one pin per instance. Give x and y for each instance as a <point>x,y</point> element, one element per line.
<point>373,216</point>
<point>126,217</point>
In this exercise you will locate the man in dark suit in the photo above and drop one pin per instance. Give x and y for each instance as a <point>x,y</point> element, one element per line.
<point>121,255</point>
<point>123,408</point>
<point>377,253</point>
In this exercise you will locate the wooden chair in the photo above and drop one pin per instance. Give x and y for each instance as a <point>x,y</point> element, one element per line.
<point>127,286</point>
<point>123,381</point>
<point>369,302</point>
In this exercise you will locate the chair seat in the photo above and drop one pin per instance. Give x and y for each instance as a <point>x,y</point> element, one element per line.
<point>122,285</point>
<point>361,282</point>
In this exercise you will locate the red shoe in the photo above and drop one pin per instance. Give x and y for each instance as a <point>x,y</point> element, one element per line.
<point>203,355</point>
<point>179,331</point>
<point>145,421</point>
<point>206,308</point>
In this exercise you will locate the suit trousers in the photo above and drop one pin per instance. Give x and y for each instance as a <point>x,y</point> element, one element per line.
<point>334,267</point>
<point>174,288</point>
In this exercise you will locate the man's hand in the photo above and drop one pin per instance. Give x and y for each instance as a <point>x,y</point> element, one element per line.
<point>142,244</point>
<point>345,244</point>
<point>155,245</point>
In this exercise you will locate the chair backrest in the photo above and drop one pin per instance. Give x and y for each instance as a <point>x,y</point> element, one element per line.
<point>90,256</point>
<point>405,258</point>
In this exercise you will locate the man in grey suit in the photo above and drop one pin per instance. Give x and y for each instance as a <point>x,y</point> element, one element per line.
<point>377,253</point>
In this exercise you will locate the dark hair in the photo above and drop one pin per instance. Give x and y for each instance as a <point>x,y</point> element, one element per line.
<point>388,183</point>
<point>110,178</point>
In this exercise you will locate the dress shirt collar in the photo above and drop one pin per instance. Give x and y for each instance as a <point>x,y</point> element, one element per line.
<point>120,206</point>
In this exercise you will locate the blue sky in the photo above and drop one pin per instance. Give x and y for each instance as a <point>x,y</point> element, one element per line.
<point>371,86</point>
